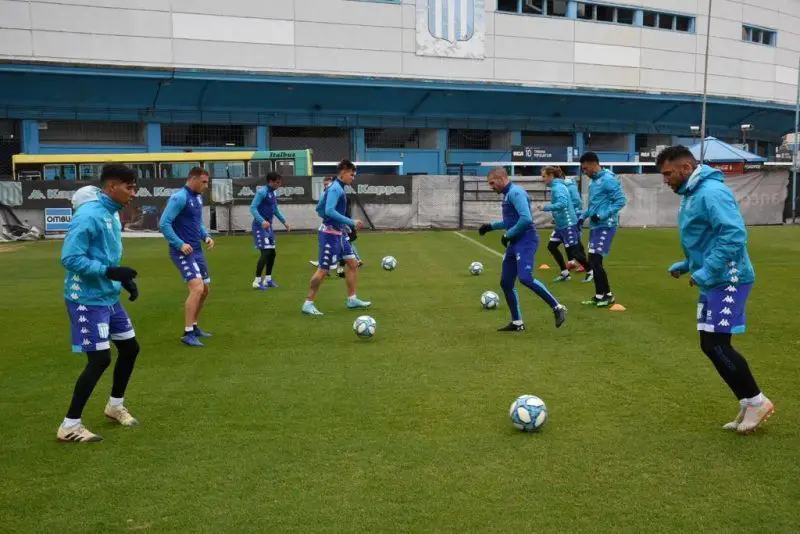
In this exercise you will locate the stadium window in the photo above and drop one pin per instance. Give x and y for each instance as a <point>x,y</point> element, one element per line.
<point>91,132</point>
<point>759,35</point>
<point>208,135</point>
<point>683,24</point>
<point>533,7</point>
<point>557,8</point>
<point>665,21</point>
<point>650,19</point>
<point>469,139</point>
<point>605,13</point>
<point>586,11</point>
<point>624,16</point>
<point>509,6</point>
<point>553,8</point>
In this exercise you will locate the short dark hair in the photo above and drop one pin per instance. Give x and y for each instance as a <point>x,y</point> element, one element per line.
<point>673,153</point>
<point>273,176</point>
<point>117,171</point>
<point>197,172</point>
<point>590,157</point>
<point>345,165</point>
<point>327,179</point>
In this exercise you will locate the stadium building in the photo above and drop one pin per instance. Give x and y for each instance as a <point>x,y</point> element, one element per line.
<point>424,85</point>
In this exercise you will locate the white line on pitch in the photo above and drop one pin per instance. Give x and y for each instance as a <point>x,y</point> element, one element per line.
<point>493,251</point>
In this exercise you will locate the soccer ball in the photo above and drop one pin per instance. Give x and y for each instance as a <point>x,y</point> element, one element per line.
<point>365,326</point>
<point>389,263</point>
<point>490,300</point>
<point>475,268</point>
<point>528,413</point>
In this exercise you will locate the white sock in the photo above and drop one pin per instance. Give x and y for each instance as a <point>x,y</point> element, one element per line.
<point>114,402</point>
<point>70,422</point>
<point>351,297</point>
<point>517,322</point>
<point>309,303</point>
<point>599,297</point>
<point>269,278</point>
<point>188,329</point>
<point>758,400</point>
<point>257,280</point>
<point>565,273</point>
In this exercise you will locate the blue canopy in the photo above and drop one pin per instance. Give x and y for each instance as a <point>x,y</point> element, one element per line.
<point>721,152</point>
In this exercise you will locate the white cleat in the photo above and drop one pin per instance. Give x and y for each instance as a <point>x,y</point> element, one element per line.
<point>755,416</point>
<point>734,425</point>
<point>77,433</point>
<point>121,415</point>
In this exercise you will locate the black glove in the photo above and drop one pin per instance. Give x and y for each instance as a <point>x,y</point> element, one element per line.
<point>121,274</point>
<point>580,222</point>
<point>595,219</point>
<point>484,229</point>
<point>505,241</point>
<point>130,287</point>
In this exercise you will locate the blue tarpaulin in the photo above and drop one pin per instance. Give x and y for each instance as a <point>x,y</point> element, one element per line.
<point>721,152</point>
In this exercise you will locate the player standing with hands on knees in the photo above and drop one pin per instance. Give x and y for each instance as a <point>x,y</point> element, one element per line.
<point>263,208</point>
<point>521,241</point>
<point>714,241</point>
<point>332,207</point>
<point>182,226</point>
<point>91,255</point>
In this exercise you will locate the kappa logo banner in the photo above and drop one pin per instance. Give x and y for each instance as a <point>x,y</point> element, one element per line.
<point>451,28</point>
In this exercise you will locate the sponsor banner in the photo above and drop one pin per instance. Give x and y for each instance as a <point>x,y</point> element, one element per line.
<point>57,219</point>
<point>295,190</point>
<point>539,153</point>
<point>370,189</point>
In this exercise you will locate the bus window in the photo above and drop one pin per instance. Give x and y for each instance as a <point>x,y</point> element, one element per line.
<point>144,171</point>
<point>90,171</point>
<point>284,167</point>
<point>59,172</point>
<point>29,175</point>
<point>226,169</point>
<point>259,168</point>
<point>178,169</point>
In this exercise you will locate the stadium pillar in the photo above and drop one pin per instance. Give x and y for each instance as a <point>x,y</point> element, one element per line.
<point>441,145</point>
<point>516,137</point>
<point>30,137</point>
<point>153,137</point>
<point>359,144</point>
<point>572,9</point>
<point>262,138</point>
<point>579,143</point>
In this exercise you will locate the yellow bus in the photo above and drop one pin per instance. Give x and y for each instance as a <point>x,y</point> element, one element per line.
<point>160,165</point>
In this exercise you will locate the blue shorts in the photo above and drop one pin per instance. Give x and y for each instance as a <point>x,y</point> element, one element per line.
<point>263,238</point>
<point>570,236</point>
<point>94,327</point>
<point>721,310</point>
<point>332,248</point>
<point>192,266</point>
<point>600,240</point>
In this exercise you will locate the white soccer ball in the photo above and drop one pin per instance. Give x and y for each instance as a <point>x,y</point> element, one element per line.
<point>528,413</point>
<point>475,268</point>
<point>365,326</point>
<point>389,263</point>
<point>490,300</point>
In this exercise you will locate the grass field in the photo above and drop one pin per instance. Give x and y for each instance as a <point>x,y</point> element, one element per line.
<point>286,423</point>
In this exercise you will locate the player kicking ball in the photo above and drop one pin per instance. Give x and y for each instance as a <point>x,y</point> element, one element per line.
<point>714,241</point>
<point>264,208</point>
<point>521,241</point>
<point>91,254</point>
<point>332,234</point>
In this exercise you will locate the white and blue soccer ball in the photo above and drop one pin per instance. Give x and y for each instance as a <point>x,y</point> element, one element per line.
<point>389,263</point>
<point>490,300</point>
<point>365,326</point>
<point>475,268</point>
<point>528,413</point>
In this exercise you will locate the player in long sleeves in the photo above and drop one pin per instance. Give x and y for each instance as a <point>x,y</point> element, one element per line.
<point>91,255</point>
<point>577,203</point>
<point>606,199</point>
<point>565,220</point>
<point>182,226</point>
<point>521,241</point>
<point>264,208</point>
<point>333,244</point>
<point>714,241</point>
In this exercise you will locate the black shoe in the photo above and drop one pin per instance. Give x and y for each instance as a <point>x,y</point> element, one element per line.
<point>340,272</point>
<point>560,312</point>
<point>512,328</point>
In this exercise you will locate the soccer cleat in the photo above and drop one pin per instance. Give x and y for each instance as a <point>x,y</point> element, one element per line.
<point>591,302</point>
<point>755,416</point>
<point>360,263</point>
<point>77,433</point>
<point>606,301</point>
<point>560,313</point>
<point>511,327</point>
<point>121,415</point>
<point>191,340</point>
<point>314,263</point>
<point>589,277</point>
<point>309,309</point>
<point>259,286</point>
<point>271,284</point>
<point>340,272</point>
<point>562,278</point>
<point>355,304</point>
<point>200,333</point>
<point>734,425</point>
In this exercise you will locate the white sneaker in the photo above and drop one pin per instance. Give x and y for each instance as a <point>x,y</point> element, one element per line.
<point>755,416</point>
<point>76,433</point>
<point>734,425</point>
<point>120,414</point>
<point>314,263</point>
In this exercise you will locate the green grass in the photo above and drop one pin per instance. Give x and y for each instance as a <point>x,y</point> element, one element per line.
<point>286,423</point>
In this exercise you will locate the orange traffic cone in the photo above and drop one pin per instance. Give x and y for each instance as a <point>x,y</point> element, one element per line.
<point>544,267</point>
<point>617,308</point>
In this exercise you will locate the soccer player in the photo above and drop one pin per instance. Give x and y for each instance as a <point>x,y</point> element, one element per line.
<point>182,226</point>
<point>91,255</point>
<point>565,220</point>
<point>606,199</point>
<point>351,237</point>
<point>263,208</point>
<point>714,241</point>
<point>577,203</point>
<point>333,244</point>
<point>521,241</point>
